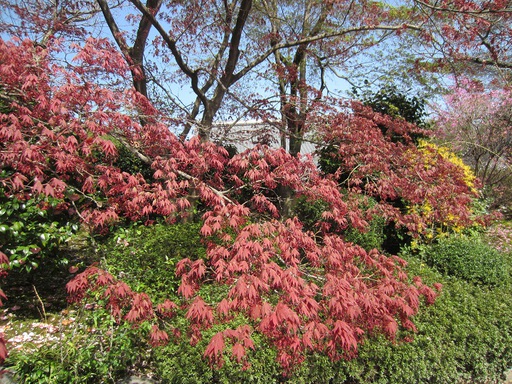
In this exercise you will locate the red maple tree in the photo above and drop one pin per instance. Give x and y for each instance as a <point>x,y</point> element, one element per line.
<point>302,291</point>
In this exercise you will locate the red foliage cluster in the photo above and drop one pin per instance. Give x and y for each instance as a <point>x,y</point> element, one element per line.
<point>398,173</point>
<point>302,294</point>
<point>123,303</point>
<point>469,31</point>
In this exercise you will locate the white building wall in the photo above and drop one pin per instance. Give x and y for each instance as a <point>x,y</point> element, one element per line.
<point>247,134</point>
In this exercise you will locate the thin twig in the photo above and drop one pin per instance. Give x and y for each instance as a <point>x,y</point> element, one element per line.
<point>43,314</point>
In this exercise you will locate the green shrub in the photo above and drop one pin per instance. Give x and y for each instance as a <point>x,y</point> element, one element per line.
<point>468,258</point>
<point>32,230</point>
<point>145,256</point>
<point>309,212</point>
<point>466,336</point>
<point>373,238</point>
<point>129,162</point>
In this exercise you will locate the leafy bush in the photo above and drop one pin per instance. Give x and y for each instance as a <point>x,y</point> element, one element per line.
<point>145,256</point>
<point>309,212</point>
<point>389,100</point>
<point>468,258</point>
<point>375,235</point>
<point>373,238</point>
<point>128,162</point>
<point>464,337</point>
<point>33,229</point>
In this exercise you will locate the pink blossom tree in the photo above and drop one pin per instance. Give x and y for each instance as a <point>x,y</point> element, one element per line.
<point>478,124</point>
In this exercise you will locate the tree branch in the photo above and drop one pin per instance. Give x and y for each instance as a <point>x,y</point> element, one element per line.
<point>310,39</point>
<point>236,35</point>
<point>171,43</point>
<point>497,63</point>
<point>467,12</point>
<point>116,33</point>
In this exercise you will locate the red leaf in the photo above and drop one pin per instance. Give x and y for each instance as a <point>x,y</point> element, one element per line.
<point>88,186</point>
<point>158,337</point>
<point>223,307</point>
<point>107,146</point>
<point>167,308</point>
<point>206,230</point>
<point>238,351</point>
<point>391,327</point>
<point>185,289</point>
<point>344,335</point>
<point>200,312</point>
<point>215,348</point>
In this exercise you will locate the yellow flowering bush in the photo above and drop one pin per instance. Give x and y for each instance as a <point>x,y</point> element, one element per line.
<point>428,147</point>
<point>427,158</point>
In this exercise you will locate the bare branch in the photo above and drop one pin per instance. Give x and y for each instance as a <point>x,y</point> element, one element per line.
<point>171,43</point>
<point>258,60</point>
<point>496,63</point>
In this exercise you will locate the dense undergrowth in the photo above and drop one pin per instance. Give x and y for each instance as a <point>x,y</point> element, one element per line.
<point>466,336</point>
